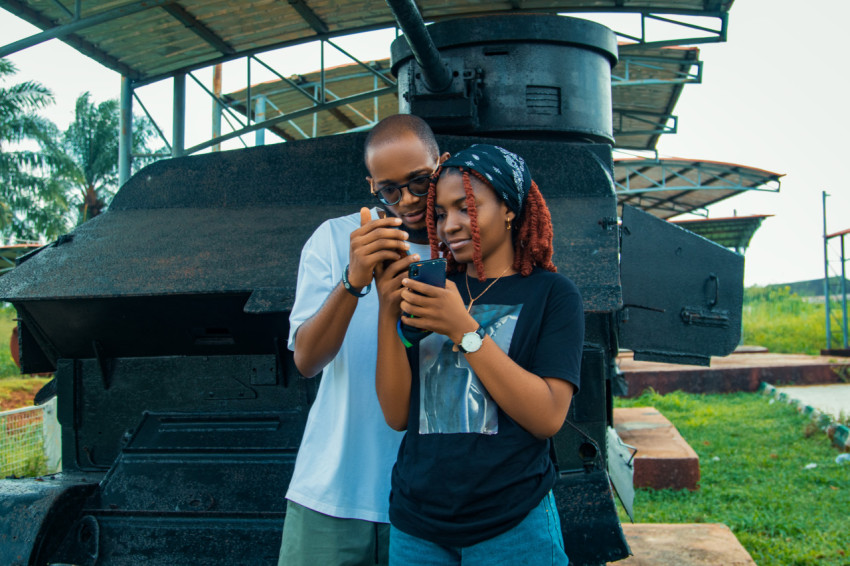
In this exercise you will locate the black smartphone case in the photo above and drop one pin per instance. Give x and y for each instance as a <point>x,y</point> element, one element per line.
<point>432,272</point>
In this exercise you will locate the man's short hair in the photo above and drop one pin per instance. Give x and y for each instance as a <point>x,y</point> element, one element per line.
<point>393,127</point>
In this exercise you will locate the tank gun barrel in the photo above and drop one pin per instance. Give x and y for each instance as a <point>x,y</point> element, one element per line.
<point>437,76</point>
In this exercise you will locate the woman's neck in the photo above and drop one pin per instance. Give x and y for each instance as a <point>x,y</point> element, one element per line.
<point>492,269</point>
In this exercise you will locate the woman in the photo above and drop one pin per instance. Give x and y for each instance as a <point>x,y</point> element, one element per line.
<point>481,396</point>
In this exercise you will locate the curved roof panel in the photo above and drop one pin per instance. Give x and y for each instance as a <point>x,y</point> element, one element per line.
<point>669,187</point>
<point>151,39</point>
<point>735,232</point>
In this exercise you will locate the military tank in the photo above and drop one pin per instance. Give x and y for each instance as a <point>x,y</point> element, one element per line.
<point>165,319</point>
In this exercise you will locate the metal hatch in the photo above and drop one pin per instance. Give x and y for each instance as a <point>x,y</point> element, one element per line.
<point>682,293</point>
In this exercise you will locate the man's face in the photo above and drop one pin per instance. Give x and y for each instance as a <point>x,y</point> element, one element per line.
<point>396,163</point>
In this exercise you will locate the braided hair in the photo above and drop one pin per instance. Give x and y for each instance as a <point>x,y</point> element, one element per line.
<point>532,232</point>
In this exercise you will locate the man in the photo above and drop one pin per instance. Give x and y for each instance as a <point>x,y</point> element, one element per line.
<point>338,499</point>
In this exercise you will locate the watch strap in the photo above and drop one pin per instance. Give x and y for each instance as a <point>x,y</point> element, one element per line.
<point>350,289</point>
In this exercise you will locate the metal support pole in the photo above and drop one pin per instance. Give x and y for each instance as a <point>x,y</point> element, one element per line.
<point>125,138</point>
<point>322,98</point>
<point>843,295</point>
<point>260,116</point>
<point>826,276</point>
<point>178,142</point>
<point>216,110</point>
<point>316,114</point>
<point>375,118</point>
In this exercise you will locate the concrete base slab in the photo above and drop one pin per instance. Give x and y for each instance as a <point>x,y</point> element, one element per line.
<point>743,371</point>
<point>664,460</point>
<point>703,544</point>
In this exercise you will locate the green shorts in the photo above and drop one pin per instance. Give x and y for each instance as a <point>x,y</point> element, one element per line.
<point>311,538</point>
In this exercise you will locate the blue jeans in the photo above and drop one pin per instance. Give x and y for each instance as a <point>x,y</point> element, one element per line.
<point>536,541</point>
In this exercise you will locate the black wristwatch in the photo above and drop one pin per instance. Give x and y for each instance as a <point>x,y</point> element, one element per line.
<point>351,289</point>
<point>471,341</point>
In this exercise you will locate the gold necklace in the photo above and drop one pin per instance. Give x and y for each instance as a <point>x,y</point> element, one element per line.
<point>468,292</point>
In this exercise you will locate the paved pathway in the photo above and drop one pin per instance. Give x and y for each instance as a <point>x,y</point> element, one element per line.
<point>833,399</point>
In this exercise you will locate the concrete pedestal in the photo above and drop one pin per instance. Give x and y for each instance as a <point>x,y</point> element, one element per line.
<point>703,544</point>
<point>664,460</point>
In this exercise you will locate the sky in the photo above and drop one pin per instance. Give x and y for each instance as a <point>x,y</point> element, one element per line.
<point>773,96</point>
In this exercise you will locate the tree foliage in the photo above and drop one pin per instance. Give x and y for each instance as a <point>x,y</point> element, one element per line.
<point>85,161</point>
<point>51,180</point>
<point>31,203</point>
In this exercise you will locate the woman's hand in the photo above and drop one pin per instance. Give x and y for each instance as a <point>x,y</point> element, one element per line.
<point>436,309</point>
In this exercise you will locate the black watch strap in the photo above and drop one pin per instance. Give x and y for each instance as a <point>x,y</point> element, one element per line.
<point>350,289</point>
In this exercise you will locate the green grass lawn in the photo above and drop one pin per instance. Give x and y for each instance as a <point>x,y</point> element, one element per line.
<point>756,477</point>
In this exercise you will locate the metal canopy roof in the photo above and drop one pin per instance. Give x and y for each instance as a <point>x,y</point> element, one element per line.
<point>669,187</point>
<point>735,232</point>
<point>647,83</point>
<point>8,254</point>
<point>148,40</point>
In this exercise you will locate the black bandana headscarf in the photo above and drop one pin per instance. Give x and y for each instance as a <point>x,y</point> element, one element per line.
<point>506,172</point>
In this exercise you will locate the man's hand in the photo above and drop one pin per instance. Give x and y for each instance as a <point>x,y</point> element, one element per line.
<point>375,242</point>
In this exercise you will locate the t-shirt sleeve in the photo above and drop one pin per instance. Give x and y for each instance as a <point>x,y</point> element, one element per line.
<point>561,337</point>
<point>316,279</point>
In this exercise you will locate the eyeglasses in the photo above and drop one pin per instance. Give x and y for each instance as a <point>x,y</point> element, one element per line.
<point>417,186</point>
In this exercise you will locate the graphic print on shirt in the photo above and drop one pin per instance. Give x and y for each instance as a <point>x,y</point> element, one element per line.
<point>451,397</point>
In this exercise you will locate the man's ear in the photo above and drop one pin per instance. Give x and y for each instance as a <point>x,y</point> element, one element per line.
<point>369,180</point>
<point>443,157</point>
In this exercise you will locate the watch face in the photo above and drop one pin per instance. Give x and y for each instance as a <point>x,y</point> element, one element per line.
<point>470,342</point>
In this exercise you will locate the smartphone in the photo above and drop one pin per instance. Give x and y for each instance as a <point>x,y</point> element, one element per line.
<point>430,271</point>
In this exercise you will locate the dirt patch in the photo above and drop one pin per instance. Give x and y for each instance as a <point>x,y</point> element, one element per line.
<point>18,393</point>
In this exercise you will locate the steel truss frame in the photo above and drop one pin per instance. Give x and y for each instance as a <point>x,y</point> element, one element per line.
<point>78,21</point>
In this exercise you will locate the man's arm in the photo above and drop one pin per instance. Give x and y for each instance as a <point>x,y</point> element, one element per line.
<point>320,337</point>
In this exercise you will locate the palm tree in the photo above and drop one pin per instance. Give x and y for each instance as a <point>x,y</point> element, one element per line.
<point>87,159</point>
<point>30,203</point>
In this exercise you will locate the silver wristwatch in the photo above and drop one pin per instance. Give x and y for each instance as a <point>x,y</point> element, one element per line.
<point>471,341</point>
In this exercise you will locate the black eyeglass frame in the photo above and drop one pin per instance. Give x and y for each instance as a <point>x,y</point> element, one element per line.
<point>379,194</point>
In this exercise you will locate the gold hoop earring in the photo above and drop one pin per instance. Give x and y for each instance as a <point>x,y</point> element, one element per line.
<point>508,224</point>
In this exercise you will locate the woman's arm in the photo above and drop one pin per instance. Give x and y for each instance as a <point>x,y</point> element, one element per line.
<point>392,373</point>
<point>537,403</point>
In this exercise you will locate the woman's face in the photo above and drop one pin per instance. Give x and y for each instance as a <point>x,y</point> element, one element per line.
<point>454,228</point>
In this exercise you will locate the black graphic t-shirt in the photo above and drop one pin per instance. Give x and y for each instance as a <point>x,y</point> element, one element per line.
<point>466,471</point>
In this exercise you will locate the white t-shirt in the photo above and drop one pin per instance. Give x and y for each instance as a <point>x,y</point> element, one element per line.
<point>348,451</point>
